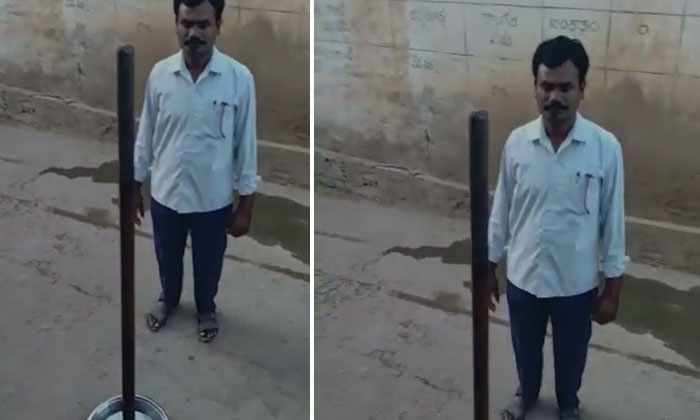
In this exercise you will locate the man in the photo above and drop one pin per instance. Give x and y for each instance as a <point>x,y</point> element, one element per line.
<point>558,212</point>
<point>197,141</point>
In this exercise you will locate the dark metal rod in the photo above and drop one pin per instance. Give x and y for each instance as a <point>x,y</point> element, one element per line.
<point>125,107</point>
<point>478,183</point>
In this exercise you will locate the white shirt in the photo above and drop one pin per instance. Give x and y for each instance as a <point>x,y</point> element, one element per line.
<point>560,216</point>
<point>198,140</point>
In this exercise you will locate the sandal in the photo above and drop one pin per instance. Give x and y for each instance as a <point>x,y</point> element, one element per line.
<point>516,410</point>
<point>208,327</point>
<point>572,414</point>
<point>157,316</point>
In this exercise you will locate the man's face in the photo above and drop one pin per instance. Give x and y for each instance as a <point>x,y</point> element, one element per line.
<point>558,92</point>
<point>197,29</point>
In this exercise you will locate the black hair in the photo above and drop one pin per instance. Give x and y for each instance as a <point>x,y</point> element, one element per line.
<point>557,51</point>
<point>218,6</point>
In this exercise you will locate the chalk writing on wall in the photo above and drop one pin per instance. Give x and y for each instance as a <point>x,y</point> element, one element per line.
<point>497,90</point>
<point>80,4</point>
<point>143,27</point>
<point>574,25</point>
<point>504,20</point>
<point>425,16</point>
<point>501,28</point>
<point>423,63</point>
<point>333,18</point>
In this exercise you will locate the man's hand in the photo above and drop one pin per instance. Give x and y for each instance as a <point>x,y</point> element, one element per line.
<point>241,218</point>
<point>608,302</point>
<point>138,204</point>
<point>493,284</point>
<point>238,224</point>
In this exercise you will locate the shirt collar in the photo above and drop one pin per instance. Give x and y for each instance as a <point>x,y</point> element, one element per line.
<point>215,65</point>
<point>581,131</point>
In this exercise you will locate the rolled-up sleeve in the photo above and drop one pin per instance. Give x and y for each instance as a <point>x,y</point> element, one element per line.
<point>245,159</point>
<point>143,147</point>
<point>498,229</point>
<point>613,260</point>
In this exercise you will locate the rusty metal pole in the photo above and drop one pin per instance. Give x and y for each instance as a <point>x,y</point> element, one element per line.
<point>125,106</point>
<point>478,183</point>
<point>128,405</point>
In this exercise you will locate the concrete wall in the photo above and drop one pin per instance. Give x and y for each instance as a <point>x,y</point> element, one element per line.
<point>395,81</point>
<point>66,50</point>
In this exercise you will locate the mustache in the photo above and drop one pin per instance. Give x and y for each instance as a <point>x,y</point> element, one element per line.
<point>555,106</point>
<point>194,41</point>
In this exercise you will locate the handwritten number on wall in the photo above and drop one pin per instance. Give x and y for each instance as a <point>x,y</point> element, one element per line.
<point>574,25</point>
<point>80,4</point>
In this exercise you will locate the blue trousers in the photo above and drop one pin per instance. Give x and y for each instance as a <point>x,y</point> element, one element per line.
<point>571,333</point>
<point>208,233</point>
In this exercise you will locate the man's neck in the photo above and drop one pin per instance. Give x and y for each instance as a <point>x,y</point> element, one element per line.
<point>558,131</point>
<point>196,65</point>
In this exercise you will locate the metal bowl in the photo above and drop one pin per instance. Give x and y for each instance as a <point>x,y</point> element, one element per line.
<point>146,409</point>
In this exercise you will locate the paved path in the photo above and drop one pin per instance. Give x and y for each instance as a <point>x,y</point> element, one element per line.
<point>60,302</point>
<point>393,328</point>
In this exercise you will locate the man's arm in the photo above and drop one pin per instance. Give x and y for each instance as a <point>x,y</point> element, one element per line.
<point>143,147</point>
<point>498,229</point>
<point>245,159</point>
<point>612,236</point>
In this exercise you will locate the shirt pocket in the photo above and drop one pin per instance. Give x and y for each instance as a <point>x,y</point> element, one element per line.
<point>216,117</point>
<point>578,191</point>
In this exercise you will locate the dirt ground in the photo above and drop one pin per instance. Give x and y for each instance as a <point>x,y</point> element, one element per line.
<point>393,328</point>
<point>60,297</point>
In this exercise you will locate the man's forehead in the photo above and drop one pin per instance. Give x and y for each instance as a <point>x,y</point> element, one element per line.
<point>565,73</point>
<point>203,12</point>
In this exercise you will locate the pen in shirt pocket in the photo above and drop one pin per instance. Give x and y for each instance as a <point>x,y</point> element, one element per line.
<point>224,104</point>
<point>587,179</point>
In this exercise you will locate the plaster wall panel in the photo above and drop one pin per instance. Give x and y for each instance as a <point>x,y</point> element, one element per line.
<point>656,88</point>
<point>693,8</point>
<point>649,6</point>
<point>689,57</point>
<point>644,42</point>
